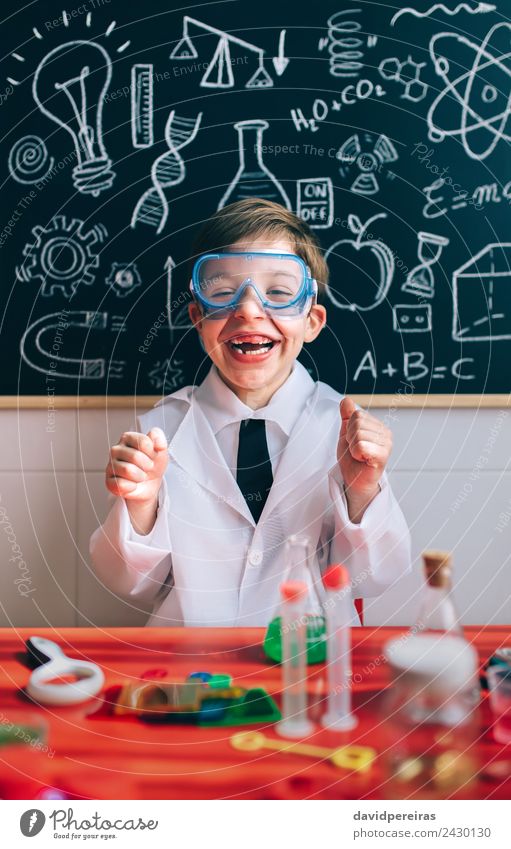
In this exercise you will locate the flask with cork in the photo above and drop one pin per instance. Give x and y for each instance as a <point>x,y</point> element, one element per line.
<point>437,612</point>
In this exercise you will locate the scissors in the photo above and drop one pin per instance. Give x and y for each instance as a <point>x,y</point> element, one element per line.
<point>51,662</point>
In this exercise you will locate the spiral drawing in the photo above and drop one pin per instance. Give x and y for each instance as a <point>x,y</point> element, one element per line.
<point>29,161</point>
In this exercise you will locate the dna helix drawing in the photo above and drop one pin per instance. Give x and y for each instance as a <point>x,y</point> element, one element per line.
<point>167,170</point>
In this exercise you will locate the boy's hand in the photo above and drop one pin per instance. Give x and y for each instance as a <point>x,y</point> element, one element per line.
<point>137,464</point>
<point>362,452</point>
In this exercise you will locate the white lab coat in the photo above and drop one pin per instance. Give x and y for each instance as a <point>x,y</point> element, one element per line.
<point>206,563</point>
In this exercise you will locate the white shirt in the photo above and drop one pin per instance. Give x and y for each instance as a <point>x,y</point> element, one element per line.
<point>206,561</point>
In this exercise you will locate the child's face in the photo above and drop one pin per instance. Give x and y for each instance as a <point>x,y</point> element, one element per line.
<point>255,377</point>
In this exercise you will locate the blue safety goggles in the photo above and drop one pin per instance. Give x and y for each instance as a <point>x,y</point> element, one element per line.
<point>282,282</point>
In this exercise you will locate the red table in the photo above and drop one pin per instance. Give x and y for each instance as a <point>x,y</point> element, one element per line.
<point>93,755</point>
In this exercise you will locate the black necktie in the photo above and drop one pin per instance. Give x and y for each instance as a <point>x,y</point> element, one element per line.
<point>254,474</point>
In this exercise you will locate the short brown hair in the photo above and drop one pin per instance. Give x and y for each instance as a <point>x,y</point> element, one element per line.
<point>256,217</point>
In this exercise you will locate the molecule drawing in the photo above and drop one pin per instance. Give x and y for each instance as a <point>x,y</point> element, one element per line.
<point>473,106</point>
<point>407,74</point>
<point>62,255</point>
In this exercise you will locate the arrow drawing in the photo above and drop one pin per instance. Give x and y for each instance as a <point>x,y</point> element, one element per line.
<point>280,62</point>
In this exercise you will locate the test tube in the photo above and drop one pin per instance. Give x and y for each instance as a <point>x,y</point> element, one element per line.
<point>294,722</point>
<point>338,716</point>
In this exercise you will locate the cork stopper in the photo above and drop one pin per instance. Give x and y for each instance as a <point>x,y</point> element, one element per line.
<point>437,568</point>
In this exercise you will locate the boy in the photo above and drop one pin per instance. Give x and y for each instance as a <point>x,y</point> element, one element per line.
<point>221,474</point>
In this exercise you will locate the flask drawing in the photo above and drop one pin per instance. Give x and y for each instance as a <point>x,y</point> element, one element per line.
<point>253,178</point>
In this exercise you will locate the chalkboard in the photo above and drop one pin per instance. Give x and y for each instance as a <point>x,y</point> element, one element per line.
<point>126,124</point>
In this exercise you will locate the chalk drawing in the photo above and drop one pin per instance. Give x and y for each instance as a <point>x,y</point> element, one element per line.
<point>369,161</point>
<point>483,194</point>
<point>29,161</point>
<point>69,87</point>
<point>63,255</point>
<point>253,178</point>
<point>412,318</point>
<point>420,280</point>
<point>142,105</point>
<point>315,202</point>
<point>42,349</point>
<point>345,257</point>
<point>219,73</point>
<point>478,9</point>
<point>406,73</point>
<point>344,44</point>
<point>475,106</point>
<point>481,291</point>
<point>124,278</point>
<point>280,62</point>
<point>167,375</point>
<point>167,170</point>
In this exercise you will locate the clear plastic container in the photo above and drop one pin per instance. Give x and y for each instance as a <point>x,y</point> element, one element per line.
<point>431,718</point>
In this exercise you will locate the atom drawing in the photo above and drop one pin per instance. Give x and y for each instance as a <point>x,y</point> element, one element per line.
<point>483,93</point>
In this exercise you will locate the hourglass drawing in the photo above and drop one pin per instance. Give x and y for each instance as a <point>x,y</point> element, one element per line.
<point>253,178</point>
<point>420,280</point>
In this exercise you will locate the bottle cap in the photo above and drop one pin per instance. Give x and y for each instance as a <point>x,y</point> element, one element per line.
<point>293,590</point>
<point>437,568</point>
<point>336,576</point>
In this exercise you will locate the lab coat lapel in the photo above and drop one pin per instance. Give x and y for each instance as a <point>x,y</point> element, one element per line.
<point>195,449</point>
<point>309,448</point>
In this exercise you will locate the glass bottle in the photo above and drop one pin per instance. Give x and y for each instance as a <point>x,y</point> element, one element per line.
<point>432,724</point>
<point>437,611</point>
<point>253,178</point>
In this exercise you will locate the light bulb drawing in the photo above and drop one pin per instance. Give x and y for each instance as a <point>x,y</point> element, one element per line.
<point>420,280</point>
<point>219,71</point>
<point>69,87</point>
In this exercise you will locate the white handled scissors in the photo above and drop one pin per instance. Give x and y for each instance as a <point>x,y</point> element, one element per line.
<point>53,663</point>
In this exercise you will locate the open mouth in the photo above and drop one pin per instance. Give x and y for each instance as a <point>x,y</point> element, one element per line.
<point>251,345</point>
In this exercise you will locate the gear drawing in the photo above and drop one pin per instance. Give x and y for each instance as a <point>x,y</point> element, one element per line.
<point>62,255</point>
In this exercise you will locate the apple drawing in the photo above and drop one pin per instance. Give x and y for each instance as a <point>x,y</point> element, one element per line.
<point>361,271</point>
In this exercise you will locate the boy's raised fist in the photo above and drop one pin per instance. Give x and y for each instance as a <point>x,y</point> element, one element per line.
<point>363,449</point>
<point>137,464</point>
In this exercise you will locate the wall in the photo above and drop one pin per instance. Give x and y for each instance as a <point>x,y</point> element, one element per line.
<point>450,470</point>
